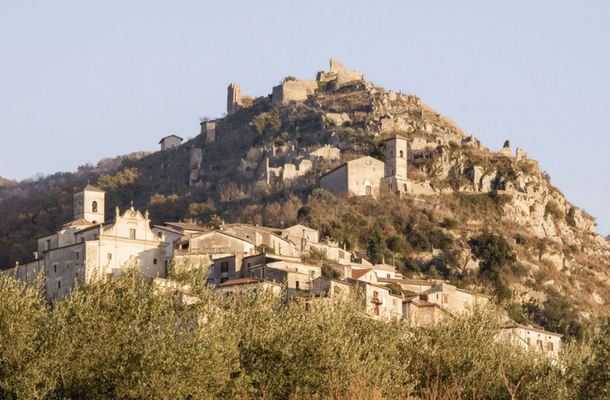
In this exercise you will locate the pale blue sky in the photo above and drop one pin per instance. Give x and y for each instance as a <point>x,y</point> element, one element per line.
<point>81,80</point>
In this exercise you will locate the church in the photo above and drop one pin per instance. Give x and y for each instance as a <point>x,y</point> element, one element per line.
<point>367,176</point>
<point>89,248</point>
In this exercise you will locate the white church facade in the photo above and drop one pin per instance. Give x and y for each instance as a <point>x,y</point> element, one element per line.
<point>88,248</point>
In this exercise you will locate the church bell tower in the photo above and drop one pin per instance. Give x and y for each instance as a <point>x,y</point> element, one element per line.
<point>89,204</point>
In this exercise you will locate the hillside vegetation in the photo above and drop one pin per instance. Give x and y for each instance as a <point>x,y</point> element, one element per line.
<point>126,339</point>
<point>477,217</point>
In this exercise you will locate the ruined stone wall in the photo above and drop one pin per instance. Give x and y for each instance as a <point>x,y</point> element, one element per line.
<point>293,91</point>
<point>327,152</point>
<point>335,181</point>
<point>339,73</point>
<point>233,98</point>
<point>208,129</point>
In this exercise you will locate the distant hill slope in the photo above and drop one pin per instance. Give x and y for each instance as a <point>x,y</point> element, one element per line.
<point>464,196</point>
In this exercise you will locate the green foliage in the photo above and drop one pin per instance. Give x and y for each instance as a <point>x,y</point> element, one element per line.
<point>127,338</point>
<point>595,383</point>
<point>552,208</point>
<point>267,121</point>
<point>328,271</point>
<point>559,315</point>
<point>494,255</point>
<point>449,223</point>
<point>168,208</point>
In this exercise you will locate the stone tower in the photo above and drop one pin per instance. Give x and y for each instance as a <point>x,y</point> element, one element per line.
<point>233,98</point>
<point>395,179</point>
<point>89,204</point>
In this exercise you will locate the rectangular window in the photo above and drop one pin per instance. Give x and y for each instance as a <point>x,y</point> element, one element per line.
<point>48,244</point>
<point>110,256</point>
<point>224,267</point>
<point>297,284</point>
<point>528,341</point>
<point>549,346</point>
<point>59,285</point>
<point>446,299</point>
<point>155,261</point>
<point>77,255</point>
<point>54,268</point>
<point>313,273</point>
<point>132,233</point>
<point>82,240</point>
<point>539,344</point>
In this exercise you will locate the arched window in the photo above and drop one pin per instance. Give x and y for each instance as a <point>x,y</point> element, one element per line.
<point>94,206</point>
<point>402,155</point>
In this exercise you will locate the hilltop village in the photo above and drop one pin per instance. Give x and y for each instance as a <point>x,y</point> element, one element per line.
<point>242,257</point>
<point>341,137</point>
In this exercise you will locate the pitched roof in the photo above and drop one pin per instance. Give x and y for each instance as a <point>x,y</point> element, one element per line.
<point>79,222</point>
<point>510,326</point>
<point>351,161</point>
<point>242,281</point>
<point>186,226</point>
<point>359,273</point>
<point>168,229</point>
<point>92,188</point>
<point>167,137</point>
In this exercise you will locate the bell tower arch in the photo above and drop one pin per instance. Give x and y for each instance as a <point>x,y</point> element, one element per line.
<point>89,204</point>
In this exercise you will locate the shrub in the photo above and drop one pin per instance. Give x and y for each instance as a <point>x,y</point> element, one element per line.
<point>552,208</point>
<point>449,223</point>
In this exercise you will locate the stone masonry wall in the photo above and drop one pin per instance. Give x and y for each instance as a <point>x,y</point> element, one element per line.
<point>293,91</point>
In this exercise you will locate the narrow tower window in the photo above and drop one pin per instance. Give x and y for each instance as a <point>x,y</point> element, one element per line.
<point>402,155</point>
<point>94,206</point>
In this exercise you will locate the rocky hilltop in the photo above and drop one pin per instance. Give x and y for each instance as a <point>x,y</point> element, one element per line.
<point>261,163</point>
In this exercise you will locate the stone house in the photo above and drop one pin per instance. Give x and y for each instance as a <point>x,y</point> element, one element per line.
<point>378,302</point>
<point>418,312</point>
<point>226,268</point>
<point>199,249</point>
<point>174,231</point>
<point>297,276</point>
<point>545,342</point>
<point>300,235</point>
<point>89,248</point>
<point>329,287</point>
<point>411,285</point>
<point>333,251</point>
<point>170,141</point>
<point>263,237</point>
<point>453,299</point>
<point>365,275</point>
